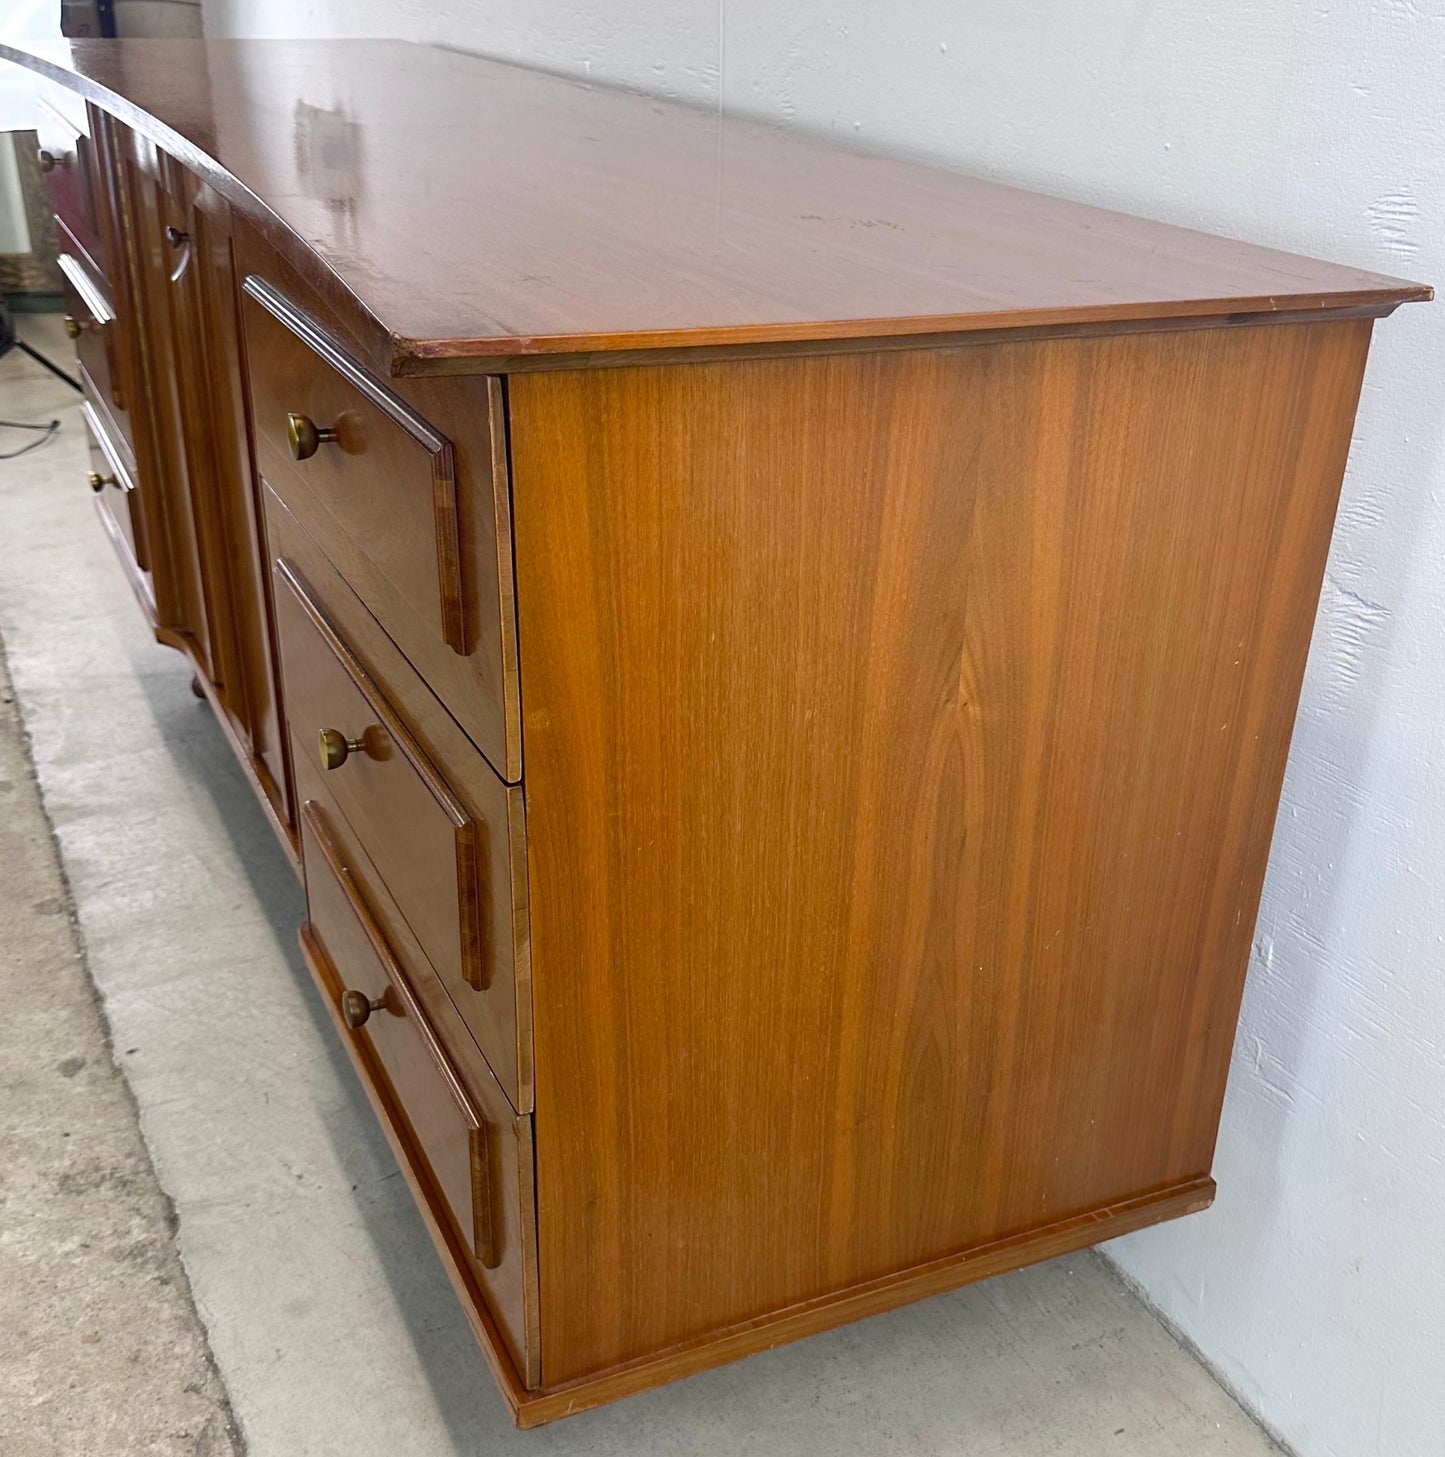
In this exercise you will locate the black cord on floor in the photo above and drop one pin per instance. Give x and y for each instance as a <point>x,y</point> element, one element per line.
<point>41,360</point>
<point>46,432</point>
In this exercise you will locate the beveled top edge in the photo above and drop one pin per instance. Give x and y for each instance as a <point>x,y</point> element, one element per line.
<point>443,250</point>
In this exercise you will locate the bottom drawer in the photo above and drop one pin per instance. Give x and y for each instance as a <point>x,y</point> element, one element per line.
<point>469,1155</point>
<point>115,498</point>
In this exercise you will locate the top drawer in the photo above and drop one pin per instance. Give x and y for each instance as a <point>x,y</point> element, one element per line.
<point>67,157</point>
<point>377,486</point>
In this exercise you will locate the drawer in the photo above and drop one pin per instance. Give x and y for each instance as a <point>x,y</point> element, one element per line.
<point>468,1154</point>
<point>113,481</point>
<point>92,324</point>
<point>367,475</point>
<point>377,486</point>
<point>67,157</point>
<point>442,853</point>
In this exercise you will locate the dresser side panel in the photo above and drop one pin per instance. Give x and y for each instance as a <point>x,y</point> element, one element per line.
<point>904,734</point>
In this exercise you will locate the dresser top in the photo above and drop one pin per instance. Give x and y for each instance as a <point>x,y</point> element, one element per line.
<point>455,208</point>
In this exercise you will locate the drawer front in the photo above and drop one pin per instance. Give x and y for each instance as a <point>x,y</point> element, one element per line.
<point>92,323</point>
<point>376,484</point>
<point>321,623</point>
<point>67,157</point>
<point>419,539</point>
<point>113,482</point>
<point>425,842</point>
<point>469,1153</point>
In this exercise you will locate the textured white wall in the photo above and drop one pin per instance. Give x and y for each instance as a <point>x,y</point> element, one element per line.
<point>14,231</point>
<point>1317,1283</point>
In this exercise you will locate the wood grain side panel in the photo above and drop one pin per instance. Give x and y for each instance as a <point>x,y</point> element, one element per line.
<point>904,735</point>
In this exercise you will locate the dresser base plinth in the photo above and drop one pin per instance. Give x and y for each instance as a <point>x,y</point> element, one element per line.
<point>537,1408</point>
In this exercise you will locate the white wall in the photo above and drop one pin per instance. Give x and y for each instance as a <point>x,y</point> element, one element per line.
<point>21,22</point>
<point>14,230</point>
<point>1317,1283</point>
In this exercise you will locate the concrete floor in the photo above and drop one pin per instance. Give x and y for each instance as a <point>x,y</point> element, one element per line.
<point>332,1324</point>
<point>103,1348</point>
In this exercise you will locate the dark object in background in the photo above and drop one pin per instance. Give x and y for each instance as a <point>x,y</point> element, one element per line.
<point>86,19</point>
<point>9,340</point>
<point>83,19</point>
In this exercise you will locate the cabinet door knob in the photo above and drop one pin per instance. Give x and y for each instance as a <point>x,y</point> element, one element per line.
<point>99,482</point>
<point>356,1007</point>
<point>176,237</point>
<point>304,436</point>
<point>336,748</point>
<point>49,161</point>
<point>74,327</point>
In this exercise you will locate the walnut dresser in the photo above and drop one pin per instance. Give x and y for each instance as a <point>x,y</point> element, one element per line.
<point>775,665</point>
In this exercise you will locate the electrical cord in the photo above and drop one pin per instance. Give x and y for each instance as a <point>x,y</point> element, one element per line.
<point>46,433</point>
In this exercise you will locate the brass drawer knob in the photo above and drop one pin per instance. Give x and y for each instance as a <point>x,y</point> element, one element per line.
<point>176,236</point>
<point>99,482</point>
<point>48,161</point>
<point>336,748</point>
<point>356,1007</point>
<point>74,327</point>
<point>304,436</point>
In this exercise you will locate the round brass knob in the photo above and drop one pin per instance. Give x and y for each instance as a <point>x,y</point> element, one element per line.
<point>73,327</point>
<point>336,748</point>
<point>356,1007</point>
<point>304,436</point>
<point>176,236</point>
<point>99,482</point>
<point>48,161</point>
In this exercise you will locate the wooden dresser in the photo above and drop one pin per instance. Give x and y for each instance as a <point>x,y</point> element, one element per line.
<point>775,665</point>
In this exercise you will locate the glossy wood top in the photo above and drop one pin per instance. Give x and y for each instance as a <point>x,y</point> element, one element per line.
<point>453,207</point>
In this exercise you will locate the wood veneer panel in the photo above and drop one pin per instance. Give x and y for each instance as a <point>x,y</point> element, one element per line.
<point>532,1409</point>
<point>594,219</point>
<point>904,736</point>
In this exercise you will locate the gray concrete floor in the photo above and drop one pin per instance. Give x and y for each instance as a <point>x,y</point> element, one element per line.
<point>333,1327</point>
<point>103,1351</point>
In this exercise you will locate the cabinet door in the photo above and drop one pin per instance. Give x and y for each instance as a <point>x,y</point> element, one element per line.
<point>158,264</point>
<point>216,597</point>
<point>220,444</point>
